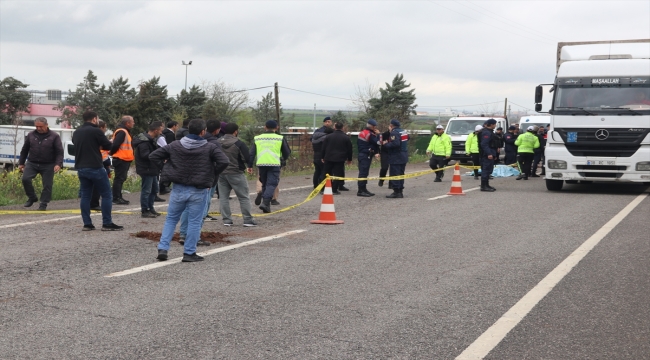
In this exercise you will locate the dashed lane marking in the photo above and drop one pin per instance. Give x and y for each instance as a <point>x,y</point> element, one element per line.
<point>482,346</point>
<point>444,196</point>
<point>205,253</point>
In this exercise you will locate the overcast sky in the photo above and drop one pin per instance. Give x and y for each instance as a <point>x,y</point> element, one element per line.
<point>452,52</point>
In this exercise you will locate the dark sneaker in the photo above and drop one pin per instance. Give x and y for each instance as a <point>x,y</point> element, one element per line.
<point>437,180</point>
<point>192,258</point>
<point>202,243</point>
<point>155,212</point>
<point>275,202</point>
<point>336,192</point>
<point>30,202</point>
<point>90,227</point>
<point>250,223</point>
<point>210,218</point>
<point>395,195</point>
<point>343,188</point>
<point>112,227</point>
<point>381,183</point>
<point>162,255</point>
<point>363,194</point>
<point>43,207</point>
<point>96,208</point>
<point>148,214</point>
<point>258,198</point>
<point>228,223</point>
<point>120,201</point>
<point>159,199</point>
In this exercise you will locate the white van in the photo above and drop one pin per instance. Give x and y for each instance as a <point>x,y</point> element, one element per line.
<point>536,120</point>
<point>459,127</point>
<point>12,139</point>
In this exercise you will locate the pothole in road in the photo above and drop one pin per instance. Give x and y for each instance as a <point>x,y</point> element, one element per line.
<point>209,236</point>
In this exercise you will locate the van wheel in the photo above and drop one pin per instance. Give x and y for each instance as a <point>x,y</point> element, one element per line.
<point>554,185</point>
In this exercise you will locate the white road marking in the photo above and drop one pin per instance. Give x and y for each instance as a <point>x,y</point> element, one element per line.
<point>205,253</point>
<point>99,214</point>
<point>497,332</point>
<point>444,196</point>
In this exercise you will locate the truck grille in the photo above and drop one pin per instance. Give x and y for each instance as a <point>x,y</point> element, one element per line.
<point>601,167</point>
<point>619,142</point>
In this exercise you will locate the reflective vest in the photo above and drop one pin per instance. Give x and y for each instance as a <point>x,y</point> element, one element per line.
<point>125,153</point>
<point>440,145</point>
<point>268,149</point>
<point>471,145</point>
<point>104,154</point>
<point>527,143</point>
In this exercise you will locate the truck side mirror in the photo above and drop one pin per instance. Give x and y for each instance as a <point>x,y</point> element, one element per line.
<point>538,107</point>
<point>538,94</point>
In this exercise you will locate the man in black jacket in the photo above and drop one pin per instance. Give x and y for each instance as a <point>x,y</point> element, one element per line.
<point>143,145</point>
<point>183,131</point>
<point>510,147</point>
<point>317,143</point>
<point>337,149</point>
<point>170,135</point>
<point>88,139</point>
<point>192,165</point>
<point>45,152</point>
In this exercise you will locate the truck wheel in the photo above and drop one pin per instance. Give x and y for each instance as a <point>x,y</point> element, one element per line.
<point>554,185</point>
<point>571,181</point>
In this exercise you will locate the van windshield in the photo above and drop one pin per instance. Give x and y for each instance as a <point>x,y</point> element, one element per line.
<point>463,127</point>
<point>602,100</point>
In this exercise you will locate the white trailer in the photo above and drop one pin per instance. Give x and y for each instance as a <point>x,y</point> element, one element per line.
<point>600,114</point>
<point>12,139</point>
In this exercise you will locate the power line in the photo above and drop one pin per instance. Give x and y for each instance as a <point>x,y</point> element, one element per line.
<point>307,92</point>
<point>453,106</point>
<point>487,23</point>
<point>257,88</point>
<point>519,105</point>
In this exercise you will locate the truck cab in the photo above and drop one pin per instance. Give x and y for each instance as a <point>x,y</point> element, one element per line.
<point>459,127</point>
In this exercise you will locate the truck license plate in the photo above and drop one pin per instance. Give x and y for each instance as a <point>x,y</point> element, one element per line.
<point>601,162</point>
<point>459,152</point>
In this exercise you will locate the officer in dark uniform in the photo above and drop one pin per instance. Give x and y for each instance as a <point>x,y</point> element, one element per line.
<point>539,152</point>
<point>384,137</point>
<point>489,142</point>
<point>499,133</point>
<point>368,147</point>
<point>510,147</point>
<point>398,156</point>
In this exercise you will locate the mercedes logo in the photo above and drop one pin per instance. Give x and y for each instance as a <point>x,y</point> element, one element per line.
<point>602,134</point>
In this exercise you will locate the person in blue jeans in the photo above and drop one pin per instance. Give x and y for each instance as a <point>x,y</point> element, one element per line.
<point>192,165</point>
<point>88,139</point>
<point>143,145</point>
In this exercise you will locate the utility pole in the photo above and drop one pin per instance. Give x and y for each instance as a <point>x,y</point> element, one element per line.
<point>314,117</point>
<point>505,108</point>
<point>277,104</point>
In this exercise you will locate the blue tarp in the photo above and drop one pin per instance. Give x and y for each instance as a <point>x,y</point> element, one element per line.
<point>499,171</point>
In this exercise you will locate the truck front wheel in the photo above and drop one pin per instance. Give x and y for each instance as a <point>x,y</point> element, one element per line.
<point>554,185</point>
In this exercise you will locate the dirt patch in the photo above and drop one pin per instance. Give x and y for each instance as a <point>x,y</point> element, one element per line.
<point>209,236</point>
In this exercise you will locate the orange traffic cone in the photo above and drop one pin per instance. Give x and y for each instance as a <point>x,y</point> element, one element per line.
<point>327,213</point>
<point>456,189</point>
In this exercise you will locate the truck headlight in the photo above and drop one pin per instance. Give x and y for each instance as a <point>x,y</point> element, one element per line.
<point>556,164</point>
<point>643,166</point>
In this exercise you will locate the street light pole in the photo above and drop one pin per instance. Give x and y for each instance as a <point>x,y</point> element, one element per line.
<point>186,65</point>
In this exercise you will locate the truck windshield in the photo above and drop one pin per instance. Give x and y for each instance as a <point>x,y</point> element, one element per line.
<point>602,100</point>
<point>463,127</point>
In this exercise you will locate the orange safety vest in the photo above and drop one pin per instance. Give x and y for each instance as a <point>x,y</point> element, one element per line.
<point>125,153</point>
<point>104,154</point>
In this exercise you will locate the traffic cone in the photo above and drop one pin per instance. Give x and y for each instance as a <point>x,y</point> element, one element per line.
<point>327,213</point>
<point>456,189</point>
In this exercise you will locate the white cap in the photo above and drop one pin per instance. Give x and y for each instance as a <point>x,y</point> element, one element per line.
<point>531,128</point>
<point>478,127</point>
<point>440,127</point>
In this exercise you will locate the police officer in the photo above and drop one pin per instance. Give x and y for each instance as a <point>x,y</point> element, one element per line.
<point>440,148</point>
<point>510,147</point>
<point>489,143</point>
<point>269,148</point>
<point>539,152</point>
<point>367,143</point>
<point>472,149</point>
<point>499,134</point>
<point>398,156</point>
<point>317,144</point>
<point>384,137</point>
<point>526,145</point>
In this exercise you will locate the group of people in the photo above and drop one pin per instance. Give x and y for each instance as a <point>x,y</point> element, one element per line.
<point>333,149</point>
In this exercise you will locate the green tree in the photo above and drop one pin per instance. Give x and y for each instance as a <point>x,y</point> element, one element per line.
<point>150,104</point>
<point>394,102</point>
<point>192,102</point>
<point>12,100</point>
<point>339,116</point>
<point>88,95</point>
<point>265,110</point>
<point>224,101</point>
<point>117,100</point>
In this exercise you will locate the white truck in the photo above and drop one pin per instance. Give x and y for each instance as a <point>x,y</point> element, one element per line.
<point>459,127</point>
<point>600,114</point>
<point>12,139</point>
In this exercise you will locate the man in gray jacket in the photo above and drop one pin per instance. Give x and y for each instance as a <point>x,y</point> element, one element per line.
<point>233,178</point>
<point>192,165</point>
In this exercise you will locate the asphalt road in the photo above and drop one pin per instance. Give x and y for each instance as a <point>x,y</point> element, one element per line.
<point>408,278</point>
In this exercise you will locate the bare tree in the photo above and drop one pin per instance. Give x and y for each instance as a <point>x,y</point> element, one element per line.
<point>491,109</point>
<point>224,102</point>
<point>362,96</point>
